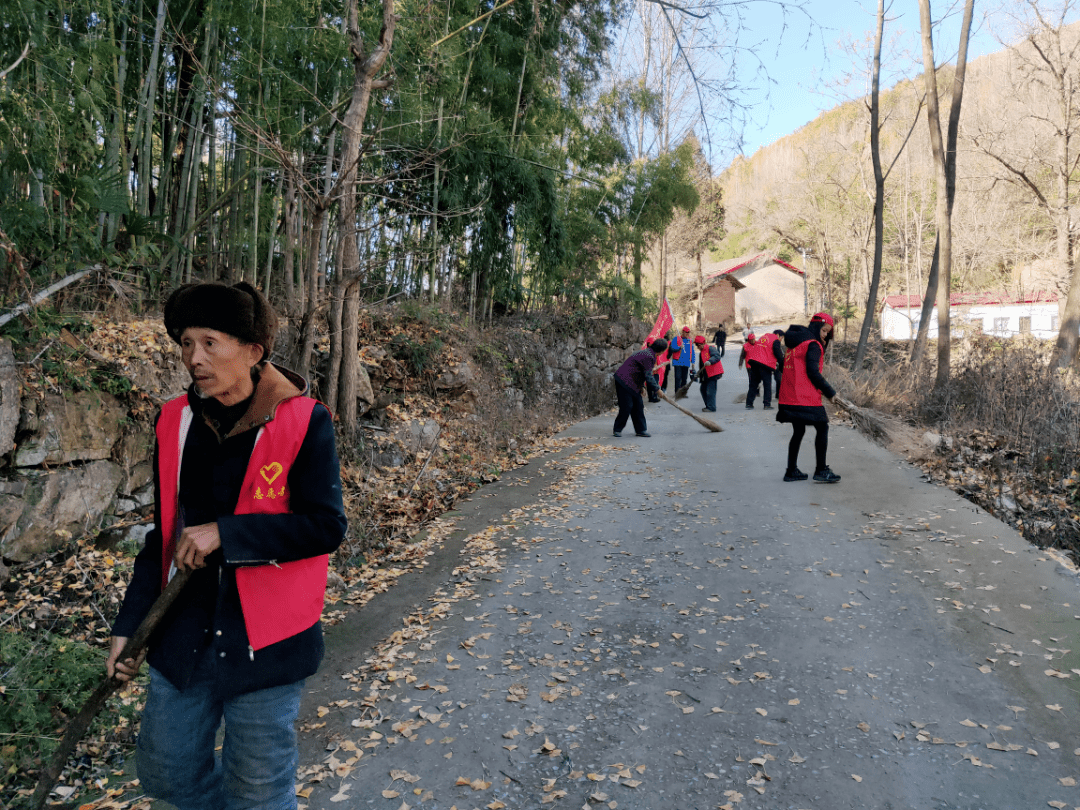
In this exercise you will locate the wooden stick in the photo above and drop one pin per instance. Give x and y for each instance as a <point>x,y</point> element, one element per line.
<point>715,428</point>
<point>78,725</point>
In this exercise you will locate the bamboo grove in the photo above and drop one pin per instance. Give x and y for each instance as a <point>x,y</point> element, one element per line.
<point>332,152</point>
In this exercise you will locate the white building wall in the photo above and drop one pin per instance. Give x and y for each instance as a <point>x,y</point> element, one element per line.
<point>1000,320</point>
<point>772,292</point>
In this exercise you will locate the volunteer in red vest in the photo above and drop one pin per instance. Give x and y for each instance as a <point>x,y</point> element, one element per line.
<point>710,372</point>
<point>247,497</point>
<point>744,361</point>
<point>801,389</point>
<point>682,352</point>
<point>762,356</point>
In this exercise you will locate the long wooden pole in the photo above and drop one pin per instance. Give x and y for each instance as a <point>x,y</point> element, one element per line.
<point>81,722</point>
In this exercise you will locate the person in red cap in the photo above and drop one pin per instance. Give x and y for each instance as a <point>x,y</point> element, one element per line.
<point>801,389</point>
<point>711,370</point>
<point>744,362</point>
<point>683,356</point>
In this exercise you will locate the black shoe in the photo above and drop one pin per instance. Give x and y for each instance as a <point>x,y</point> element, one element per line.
<point>708,410</point>
<point>617,434</point>
<point>646,434</point>
<point>795,475</point>
<point>749,407</point>
<point>826,476</point>
<point>766,407</point>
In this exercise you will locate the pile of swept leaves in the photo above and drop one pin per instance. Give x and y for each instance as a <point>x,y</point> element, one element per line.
<point>1006,430</point>
<point>55,613</point>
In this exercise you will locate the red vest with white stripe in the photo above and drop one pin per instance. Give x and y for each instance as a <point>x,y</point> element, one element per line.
<point>278,600</point>
<point>795,385</point>
<point>716,369</point>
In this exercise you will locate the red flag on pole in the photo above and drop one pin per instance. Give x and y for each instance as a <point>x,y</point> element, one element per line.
<point>664,321</point>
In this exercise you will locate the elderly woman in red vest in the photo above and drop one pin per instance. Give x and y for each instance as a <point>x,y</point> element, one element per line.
<point>248,497</point>
<point>801,389</point>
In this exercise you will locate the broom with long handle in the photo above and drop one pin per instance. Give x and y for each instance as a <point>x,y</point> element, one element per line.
<point>81,722</point>
<point>715,428</point>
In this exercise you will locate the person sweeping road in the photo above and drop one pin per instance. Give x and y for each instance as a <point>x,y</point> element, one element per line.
<point>710,372</point>
<point>801,389</point>
<point>635,372</point>
<point>683,356</point>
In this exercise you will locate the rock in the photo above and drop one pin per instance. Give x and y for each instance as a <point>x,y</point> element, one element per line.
<point>334,582</point>
<point>134,453</point>
<point>10,386</point>
<point>59,504</point>
<point>391,457</point>
<point>364,391</point>
<point>455,378</point>
<point>515,398</point>
<point>376,353</point>
<point>82,426</point>
<point>416,436</point>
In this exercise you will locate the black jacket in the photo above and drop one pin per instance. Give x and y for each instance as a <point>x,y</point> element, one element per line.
<point>206,618</point>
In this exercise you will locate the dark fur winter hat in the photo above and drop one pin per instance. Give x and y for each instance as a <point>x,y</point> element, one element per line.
<point>240,311</point>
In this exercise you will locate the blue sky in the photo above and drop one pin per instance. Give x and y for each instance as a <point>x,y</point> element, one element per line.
<point>804,71</point>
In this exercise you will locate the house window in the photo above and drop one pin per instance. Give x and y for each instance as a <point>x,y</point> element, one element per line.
<point>1001,325</point>
<point>1025,324</point>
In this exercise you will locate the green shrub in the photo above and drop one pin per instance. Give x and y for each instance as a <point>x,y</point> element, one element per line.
<point>44,679</point>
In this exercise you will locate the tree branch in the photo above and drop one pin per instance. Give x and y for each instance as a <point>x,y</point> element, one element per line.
<point>15,64</point>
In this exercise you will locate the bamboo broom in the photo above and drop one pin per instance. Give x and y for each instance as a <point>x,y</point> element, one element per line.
<point>715,428</point>
<point>866,421</point>
<point>79,724</point>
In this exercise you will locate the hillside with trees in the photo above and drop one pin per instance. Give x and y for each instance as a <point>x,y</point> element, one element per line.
<point>1016,154</point>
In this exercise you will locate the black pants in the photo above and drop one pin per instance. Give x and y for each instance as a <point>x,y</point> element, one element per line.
<point>821,444</point>
<point>681,373</point>
<point>776,379</point>
<point>759,373</point>
<point>631,406</point>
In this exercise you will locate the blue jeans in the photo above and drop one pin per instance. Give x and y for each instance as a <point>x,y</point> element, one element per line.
<point>631,406</point>
<point>708,391</point>
<point>681,373</point>
<point>175,755</point>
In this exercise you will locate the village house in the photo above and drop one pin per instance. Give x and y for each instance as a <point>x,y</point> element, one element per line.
<point>753,289</point>
<point>1036,314</point>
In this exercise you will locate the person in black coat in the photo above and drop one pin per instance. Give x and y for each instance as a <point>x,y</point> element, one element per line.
<point>720,338</point>
<point>801,388</point>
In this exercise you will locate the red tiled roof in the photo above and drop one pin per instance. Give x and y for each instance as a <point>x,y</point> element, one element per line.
<point>741,263</point>
<point>981,299</point>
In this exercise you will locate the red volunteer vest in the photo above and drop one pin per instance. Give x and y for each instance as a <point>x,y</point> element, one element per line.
<point>278,600</point>
<point>795,386</point>
<point>716,369</point>
<point>762,351</point>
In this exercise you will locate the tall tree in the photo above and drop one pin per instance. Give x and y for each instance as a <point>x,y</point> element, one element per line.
<point>1044,78</point>
<point>945,168</point>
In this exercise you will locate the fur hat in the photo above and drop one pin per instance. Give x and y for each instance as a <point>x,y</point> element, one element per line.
<point>240,311</point>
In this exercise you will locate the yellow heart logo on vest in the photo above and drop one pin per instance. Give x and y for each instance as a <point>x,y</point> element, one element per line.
<point>270,472</point>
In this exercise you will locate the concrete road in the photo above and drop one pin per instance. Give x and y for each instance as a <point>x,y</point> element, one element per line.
<point>664,623</point>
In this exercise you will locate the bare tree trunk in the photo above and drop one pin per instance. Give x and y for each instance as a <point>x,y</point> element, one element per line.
<point>945,167</point>
<point>365,66</point>
<point>288,264</point>
<point>879,190</point>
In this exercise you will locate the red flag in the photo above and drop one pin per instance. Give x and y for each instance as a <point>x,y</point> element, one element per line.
<point>664,321</point>
<point>662,325</point>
